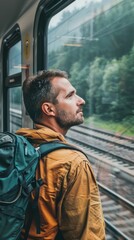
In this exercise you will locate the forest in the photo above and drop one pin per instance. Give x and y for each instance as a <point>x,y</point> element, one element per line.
<point>102,67</point>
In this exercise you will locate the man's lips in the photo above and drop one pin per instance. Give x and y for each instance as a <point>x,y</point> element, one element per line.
<point>80,111</point>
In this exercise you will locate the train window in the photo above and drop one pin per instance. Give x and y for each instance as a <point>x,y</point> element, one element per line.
<point>14,59</point>
<point>94,42</point>
<point>12,80</point>
<point>15,111</point>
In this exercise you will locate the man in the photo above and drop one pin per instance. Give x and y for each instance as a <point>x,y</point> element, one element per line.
<point>69,202</point>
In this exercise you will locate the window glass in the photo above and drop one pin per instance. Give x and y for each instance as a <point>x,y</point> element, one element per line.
<point>14,59</point>
<point>15,108</point>
<point>94,42</point>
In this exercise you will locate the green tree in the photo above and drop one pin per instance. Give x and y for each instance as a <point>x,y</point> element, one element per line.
<point>79,78</point>
<point>127,84</point>
<point>95,85</point>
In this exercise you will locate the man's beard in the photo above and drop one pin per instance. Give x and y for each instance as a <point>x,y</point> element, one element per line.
<point>66,120</point>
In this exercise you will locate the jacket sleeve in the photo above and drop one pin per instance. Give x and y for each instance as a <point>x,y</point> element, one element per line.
<point>81,215</point>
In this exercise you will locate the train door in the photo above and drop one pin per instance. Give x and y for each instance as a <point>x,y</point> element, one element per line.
<point>12,96</point>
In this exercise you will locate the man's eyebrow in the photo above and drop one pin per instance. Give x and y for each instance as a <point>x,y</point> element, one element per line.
<point>71,92</point>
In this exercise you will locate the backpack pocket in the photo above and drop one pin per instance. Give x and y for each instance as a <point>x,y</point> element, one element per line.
<point>11,222</point>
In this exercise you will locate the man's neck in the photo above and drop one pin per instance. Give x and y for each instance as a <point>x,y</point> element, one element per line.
<point>54,127</point>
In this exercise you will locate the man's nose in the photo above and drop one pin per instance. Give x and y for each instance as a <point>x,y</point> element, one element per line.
<point>81,101</point>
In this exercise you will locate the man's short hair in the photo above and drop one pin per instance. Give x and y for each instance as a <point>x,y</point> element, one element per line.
<point>38,89</point>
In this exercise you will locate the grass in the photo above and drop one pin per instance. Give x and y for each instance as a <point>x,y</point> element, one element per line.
<point>124,128</point>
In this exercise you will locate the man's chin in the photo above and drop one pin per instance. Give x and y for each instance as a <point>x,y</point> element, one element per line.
<point>80,121</point>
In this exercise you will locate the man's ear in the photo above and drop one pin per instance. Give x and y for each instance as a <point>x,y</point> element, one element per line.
<point>48,109</point>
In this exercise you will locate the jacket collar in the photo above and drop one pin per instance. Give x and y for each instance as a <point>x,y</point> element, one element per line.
<point>40,133</point>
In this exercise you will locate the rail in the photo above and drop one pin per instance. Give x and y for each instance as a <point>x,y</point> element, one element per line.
<point>118,198</point>
<point>115,232</point>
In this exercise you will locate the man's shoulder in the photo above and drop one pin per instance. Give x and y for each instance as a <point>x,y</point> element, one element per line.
<point>68,154</point>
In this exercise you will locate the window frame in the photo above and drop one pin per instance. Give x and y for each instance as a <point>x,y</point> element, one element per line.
<point>46,10</point>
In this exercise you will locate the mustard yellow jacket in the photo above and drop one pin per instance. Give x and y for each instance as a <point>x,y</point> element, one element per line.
<point>69,201</point>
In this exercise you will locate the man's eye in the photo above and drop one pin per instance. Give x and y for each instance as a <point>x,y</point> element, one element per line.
<point>70,94</point>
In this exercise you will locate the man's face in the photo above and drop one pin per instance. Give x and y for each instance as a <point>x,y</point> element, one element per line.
<point>69,105</point>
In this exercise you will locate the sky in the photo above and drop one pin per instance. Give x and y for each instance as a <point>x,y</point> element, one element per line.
<point>77,4</point>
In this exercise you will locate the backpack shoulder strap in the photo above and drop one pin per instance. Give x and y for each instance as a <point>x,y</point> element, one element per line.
<point>48,147</point>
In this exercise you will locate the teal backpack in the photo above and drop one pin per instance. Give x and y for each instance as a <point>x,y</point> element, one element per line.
<point>18,163</point>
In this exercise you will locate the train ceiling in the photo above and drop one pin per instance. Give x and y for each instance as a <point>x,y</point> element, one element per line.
<point>10,10</point>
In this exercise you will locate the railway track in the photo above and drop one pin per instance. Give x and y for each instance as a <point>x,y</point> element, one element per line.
<point>119,214</point>
<point>116,188</point>
<point>115,137</point>
<point>120,157</point>
<point>122,148</point>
